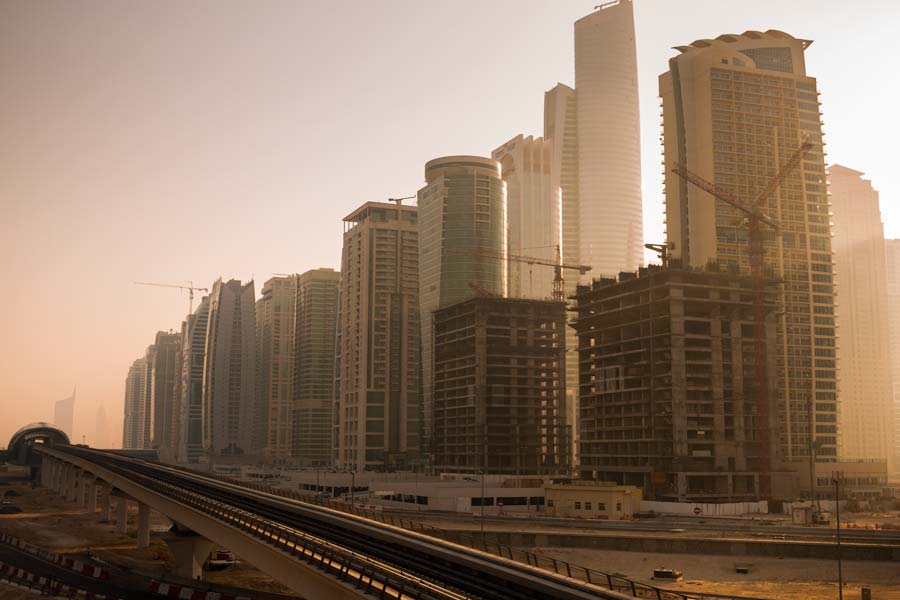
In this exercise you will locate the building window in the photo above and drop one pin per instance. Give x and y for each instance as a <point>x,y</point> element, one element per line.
<point>618,507</point>
<point>577,505</point>
<point>587,506</point>
<point>601,506</point>
<point>550,503</point>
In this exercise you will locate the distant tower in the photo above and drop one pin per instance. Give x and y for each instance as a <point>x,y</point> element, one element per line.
<point>462,245</point>
<point>377,367</point>
<point>190,405</point>
<point>165,365</point>
<point>135,405</point>
<point>534,214</point>
<point>314,379</point>
<point>229,371</point>
<point>610,213</point>
<point>64,413</point>
<point>892,256</point>
<point>866,418</point>
<point>274,355</point>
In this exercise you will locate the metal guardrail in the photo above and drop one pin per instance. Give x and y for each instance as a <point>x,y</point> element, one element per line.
<point>610,581</point>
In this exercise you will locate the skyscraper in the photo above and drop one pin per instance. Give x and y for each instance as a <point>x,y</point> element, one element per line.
<point>462,245</point>
<point>229,370</point>
<point>64,413</point>
<point>135,402</point>
<point>314,379</point>
<point>609,214</point>
<point>867,411</point>
<point>164,368</point>
<point>275,355</point>
<point>892,260</point>
<point>377,368</point>
<point>735,109</point>
<point>193,353</point>
<point>534,214</point>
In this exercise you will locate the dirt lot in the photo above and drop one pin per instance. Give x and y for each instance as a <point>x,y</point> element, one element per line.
<point>781,579</point>
<point>50,522</point>
<point>8,592</point>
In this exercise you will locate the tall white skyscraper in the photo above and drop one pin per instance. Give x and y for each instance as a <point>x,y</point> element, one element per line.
<point>533,213</point>
<point>866,417</point>
<point>609,216</point>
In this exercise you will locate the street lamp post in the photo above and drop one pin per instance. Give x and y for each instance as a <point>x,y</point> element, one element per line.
<point>836,479</point>
<point>482,505</point>
<point>352,488</point>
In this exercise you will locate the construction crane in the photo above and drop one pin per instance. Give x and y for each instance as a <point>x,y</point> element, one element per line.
<point>663,251</point>
<point>190,288</point>
<point>755,218</point>
<point>559,291</point>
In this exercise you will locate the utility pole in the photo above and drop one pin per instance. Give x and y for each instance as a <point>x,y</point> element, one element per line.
<point>836,479</point>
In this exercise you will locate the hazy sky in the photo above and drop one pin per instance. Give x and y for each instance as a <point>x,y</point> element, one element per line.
<point>174,141</point>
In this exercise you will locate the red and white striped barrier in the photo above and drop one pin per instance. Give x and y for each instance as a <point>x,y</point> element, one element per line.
<point>21,576</point>
<point>60,559</point>
<point>171,590</point>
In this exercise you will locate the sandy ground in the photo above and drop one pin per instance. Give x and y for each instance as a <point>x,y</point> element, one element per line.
<point>8,592</point>
<point>781,579</point>
<point>60,526</point>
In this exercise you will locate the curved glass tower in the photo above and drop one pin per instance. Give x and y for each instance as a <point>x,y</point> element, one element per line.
<point>462,244</point>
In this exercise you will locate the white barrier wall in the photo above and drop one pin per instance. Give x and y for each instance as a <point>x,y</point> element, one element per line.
<point>703,509</point>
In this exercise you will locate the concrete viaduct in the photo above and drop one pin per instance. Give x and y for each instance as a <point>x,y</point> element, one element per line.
<point>318,552</point>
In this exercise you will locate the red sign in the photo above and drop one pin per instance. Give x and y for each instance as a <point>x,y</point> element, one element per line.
<point>697,510</point>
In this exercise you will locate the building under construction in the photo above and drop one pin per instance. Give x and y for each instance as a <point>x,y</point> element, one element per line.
<point>669,397</point>
<point>499,387</point>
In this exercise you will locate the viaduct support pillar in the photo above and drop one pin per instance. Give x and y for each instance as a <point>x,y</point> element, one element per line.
<point>190,552</point>
<point>143,526</point>
<point>122,515</point>
<point>105,504</point>
<point>92,495</point>
<point>83,489</point>
<point>72,484</point>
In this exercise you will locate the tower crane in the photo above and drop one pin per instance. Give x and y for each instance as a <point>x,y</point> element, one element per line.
<point>189,287</point>
<point>559,291</point>
<point>755,218</point>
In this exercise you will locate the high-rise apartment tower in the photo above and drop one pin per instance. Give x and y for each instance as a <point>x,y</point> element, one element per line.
<point>316,307</point>
<point>193,353</point>
<point>275,312</point>
<point>735,109</point>
<point>867,412</point>
<point>164,368</point>
<point>378,355</point>
<point>229,370</point>
<point>892,260</point>
<point>136,399</point>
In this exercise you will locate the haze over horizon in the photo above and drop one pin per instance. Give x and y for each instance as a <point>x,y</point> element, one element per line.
<point>173,142</point>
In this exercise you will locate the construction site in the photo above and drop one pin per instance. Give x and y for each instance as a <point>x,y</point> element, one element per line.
<point>669,400</point>
<point>499,387</point>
